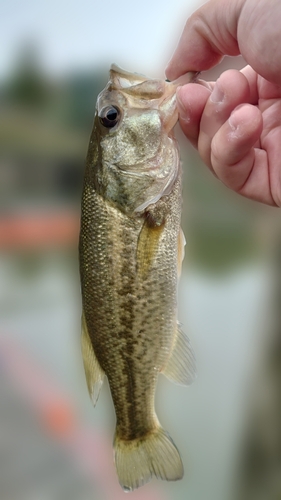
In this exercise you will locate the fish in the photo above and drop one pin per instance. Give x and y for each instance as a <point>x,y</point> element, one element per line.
<point>131,250</point>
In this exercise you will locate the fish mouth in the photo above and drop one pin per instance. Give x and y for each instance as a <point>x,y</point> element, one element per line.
<point>154,93</point>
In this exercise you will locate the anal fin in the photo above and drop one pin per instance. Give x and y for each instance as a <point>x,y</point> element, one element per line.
<point>93,371</point>
<point>180,367</point>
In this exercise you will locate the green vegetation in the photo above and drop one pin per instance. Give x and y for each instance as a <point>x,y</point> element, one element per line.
<point>45,126</point>
<point>220,227</point>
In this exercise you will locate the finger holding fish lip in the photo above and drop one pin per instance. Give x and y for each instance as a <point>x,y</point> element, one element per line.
<point>222,121</point>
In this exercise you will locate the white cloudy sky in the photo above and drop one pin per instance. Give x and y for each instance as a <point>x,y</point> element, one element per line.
<point>139,35</point>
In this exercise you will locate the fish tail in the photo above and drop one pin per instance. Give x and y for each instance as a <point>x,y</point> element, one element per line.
<point>154,454</point>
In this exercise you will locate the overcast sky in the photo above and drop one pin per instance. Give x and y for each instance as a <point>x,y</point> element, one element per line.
<point>139,35</point>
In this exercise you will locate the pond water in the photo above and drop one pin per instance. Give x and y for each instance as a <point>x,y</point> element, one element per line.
<point>223,316</point>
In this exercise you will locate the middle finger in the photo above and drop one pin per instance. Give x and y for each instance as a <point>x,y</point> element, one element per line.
<point>230,90</point>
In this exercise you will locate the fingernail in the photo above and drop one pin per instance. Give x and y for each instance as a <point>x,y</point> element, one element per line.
<point>217,95</point>
<point>232,122</point>
<point>169,71</point>
<point>235,119</point>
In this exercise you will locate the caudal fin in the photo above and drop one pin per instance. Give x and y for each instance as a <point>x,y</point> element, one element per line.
<point>152,455</point>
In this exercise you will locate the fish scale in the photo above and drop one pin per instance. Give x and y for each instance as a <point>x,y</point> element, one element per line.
<point>130,255</point>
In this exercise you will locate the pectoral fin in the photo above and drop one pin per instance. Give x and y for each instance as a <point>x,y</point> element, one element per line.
<point>180,367</point>
<point>94,373</point>
<point>148,243</point>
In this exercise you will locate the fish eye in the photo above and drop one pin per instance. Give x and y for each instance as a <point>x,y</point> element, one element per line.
<point>109,116</point>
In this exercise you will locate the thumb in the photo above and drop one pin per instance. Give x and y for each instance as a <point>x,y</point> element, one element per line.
<point>231,27</point>
<point>209,34</point>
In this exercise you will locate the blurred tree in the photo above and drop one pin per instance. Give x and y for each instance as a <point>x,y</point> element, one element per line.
<point>45,126</point>
<point>80,95</point>
<point>27,84</point>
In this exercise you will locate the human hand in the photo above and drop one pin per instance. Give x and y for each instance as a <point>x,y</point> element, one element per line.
<point>235,122</point>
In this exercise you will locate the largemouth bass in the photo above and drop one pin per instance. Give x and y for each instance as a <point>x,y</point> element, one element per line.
<point>131,250</point>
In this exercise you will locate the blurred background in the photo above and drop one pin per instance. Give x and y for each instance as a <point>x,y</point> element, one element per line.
<point>53,445</point>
